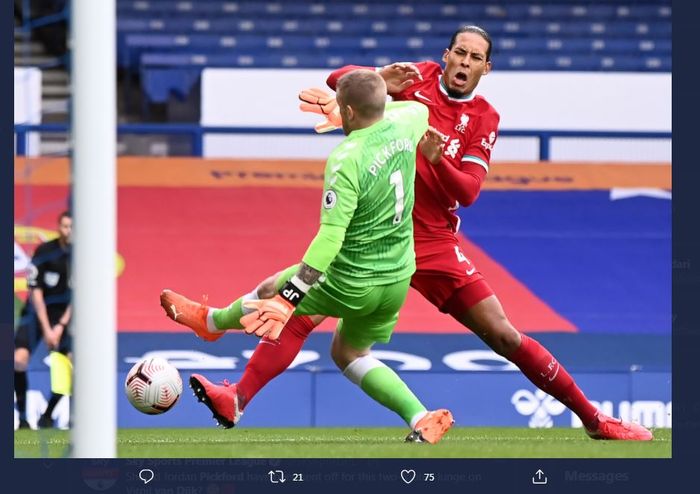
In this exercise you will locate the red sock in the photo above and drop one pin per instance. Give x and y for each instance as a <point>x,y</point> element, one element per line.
<point>271,358</point>
<point>545,372</point>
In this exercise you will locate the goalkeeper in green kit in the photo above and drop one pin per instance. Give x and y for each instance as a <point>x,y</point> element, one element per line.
<point>357,268</point>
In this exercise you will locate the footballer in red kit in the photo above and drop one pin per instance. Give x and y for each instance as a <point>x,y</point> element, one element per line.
<point>470,126</point>
<point>447,179</point>
<point>445,276</point>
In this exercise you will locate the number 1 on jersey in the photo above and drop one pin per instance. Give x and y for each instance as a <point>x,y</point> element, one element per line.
<point>396,179</point>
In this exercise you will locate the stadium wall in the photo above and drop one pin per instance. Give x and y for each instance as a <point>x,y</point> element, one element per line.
<point>535,230</point>
<point>525,100</point>
<point>27,102</point>
<point>631,379</point>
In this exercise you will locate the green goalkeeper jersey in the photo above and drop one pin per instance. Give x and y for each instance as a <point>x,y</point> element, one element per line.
<point>369,191</point>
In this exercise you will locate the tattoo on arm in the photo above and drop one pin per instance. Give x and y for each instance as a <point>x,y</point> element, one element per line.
<point>308,275</point>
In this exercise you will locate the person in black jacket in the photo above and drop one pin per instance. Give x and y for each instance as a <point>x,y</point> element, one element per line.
<point>46,314</point>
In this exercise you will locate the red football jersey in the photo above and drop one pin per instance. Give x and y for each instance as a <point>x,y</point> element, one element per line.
<point>471,127</point>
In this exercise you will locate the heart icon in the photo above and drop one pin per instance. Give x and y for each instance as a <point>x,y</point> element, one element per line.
<point>408,475</point>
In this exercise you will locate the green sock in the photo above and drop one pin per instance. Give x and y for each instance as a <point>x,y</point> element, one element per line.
<point>387,388</point>
<point>229,318</point>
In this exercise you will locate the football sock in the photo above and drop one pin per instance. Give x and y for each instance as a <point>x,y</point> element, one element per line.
<point>545,372</point>
<point>271,358</point>
<point>21,392</point>
<point>228,317</point>
<point>384,386</point>
<point>53,401</point>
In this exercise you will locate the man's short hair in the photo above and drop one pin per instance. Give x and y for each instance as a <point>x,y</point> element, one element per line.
<point>65,214</point>
<point>363,90</point>
<point>475,30</point>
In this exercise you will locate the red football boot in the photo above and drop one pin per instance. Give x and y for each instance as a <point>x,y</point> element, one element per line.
<point>222,400</point>
<point>612,428</point>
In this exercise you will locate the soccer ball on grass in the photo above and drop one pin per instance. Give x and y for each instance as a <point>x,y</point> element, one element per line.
<point>153,385</point>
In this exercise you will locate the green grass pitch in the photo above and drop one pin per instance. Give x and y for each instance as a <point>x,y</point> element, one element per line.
<point>460,442</point>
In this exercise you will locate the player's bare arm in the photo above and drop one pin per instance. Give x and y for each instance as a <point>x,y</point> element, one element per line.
<point>399,76</point>
<point>307,274</point>
<point>62,323</point>
<point>50,336</point>
<point>432,145</point>
<point>266,288</point>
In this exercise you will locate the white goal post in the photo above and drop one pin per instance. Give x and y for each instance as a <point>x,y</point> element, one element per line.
<point>93,130</point>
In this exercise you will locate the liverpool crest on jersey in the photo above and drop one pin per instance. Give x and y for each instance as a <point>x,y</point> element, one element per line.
<point>462,125</point>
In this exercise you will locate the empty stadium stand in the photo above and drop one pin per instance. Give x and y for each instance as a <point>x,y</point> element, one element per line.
<point>168,42</point>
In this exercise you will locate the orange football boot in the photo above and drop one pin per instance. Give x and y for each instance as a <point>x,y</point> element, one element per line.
<point>188,313</point>
<point>432,427</point>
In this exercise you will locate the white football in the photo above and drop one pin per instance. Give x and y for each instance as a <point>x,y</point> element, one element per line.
<point>153,385</point>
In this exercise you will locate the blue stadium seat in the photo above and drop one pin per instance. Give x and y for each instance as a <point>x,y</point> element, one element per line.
<point>175,8</point>
<point>176,38</point>
<point>573,12</point>
<point>520,45</point>
<point>419,10</point>
<point>136,44</point>
<point>586,62</point>
<point>159,84</point>
<point>644,12</point>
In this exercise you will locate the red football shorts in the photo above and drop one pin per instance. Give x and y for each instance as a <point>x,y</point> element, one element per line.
<point>446,277</point>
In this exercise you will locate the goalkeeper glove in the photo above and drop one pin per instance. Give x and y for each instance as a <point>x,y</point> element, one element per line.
<point>316,100</point>
<point>269,316</point>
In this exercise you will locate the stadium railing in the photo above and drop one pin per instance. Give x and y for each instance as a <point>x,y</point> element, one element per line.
<point>197,132</point>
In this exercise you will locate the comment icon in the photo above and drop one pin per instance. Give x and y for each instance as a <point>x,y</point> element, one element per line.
<point>146,475</point>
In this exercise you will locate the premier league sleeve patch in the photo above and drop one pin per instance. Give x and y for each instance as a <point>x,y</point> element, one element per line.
<point>329,199</point>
